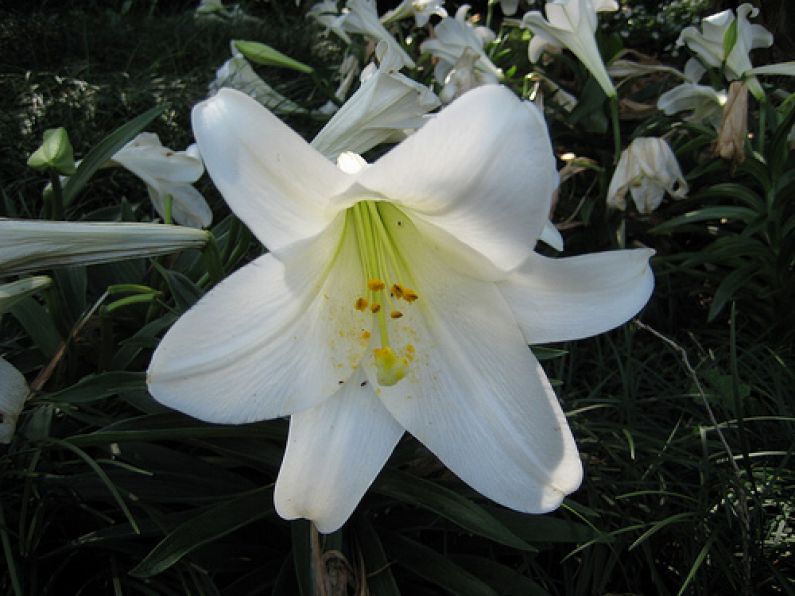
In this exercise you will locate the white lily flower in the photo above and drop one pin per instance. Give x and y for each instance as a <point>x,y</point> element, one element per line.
<point>347,72</point>
<point>396,296</point>
<point>28,245</point>
<point>705,102</point>
<point>326,13</point>
<point>647,169</point>
<point>710,44</point>
<point>237,73</point>
<point>509,7</point>
<point>13,392</point>
<point>386,107</point>
<point>168,173</point>
<point>362,18</point>
<point>453,37</point>
<point>421,10</point>
<point>571,24</point>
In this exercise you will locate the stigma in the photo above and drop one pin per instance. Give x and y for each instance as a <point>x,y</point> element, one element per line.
<point>386,285</point>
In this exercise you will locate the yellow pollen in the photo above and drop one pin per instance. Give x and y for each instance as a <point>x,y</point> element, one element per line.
<point>396,314</point>
<point>376,285</point>
<point>397,290</point>
<point>389,367</point>
<point>365,334</point>
<point>375,307</point>
<point>409,295</point>
<point>361,304</point>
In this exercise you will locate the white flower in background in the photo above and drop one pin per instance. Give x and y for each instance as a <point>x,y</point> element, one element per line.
<point>705,103</point>
<point>647,169</point>
<point>216,8</point>
<point>237,73</point>
<point>13,392</point>
<point>386,107</point>
<point>462,77</point>
<point>361,17</point>
<point>554,92</point>
<point>30,245</point>
<point>571,24</point>
<point>453,36</point>
<point>421,10</point>
<point>326,14</point>
<point>347,72</point>
<point>727,41</point>
<point>396,296</point>
<point>168,173</point>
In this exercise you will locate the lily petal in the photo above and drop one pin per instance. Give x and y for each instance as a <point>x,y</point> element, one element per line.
<point>575,297</point>
<point>468,171</point>
<point>270,177</point>
<point>334,452</point>
<point>189,208</point>
<point>13,392</point>
<point>250,362</point>
<point>473,393</point>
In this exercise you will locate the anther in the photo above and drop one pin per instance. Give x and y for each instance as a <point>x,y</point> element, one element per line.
<point>397,290</point>
<point>409,295</point>
<point>376,285</point>
<point>396,314</point>
<point>375,307</point>
<point>361,304</point>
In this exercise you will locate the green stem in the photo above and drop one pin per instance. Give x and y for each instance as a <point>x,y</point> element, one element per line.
<point>616,129</point>
<point>325,89</point>
<point>762,125</point>
<point>57,195</point>
<point>168,206</point>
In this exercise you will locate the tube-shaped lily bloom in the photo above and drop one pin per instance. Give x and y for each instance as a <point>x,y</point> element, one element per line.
<point>421,10</point>
<point>647,169</point>
<point>168,173</point>
<point>396,296</point>
<point>13,392</point>
<point>571,24</point>
<point>362,18</point>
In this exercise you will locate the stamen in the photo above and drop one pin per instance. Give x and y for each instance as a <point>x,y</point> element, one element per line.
<point>409,295</point>
<point>361,304</point>
<point>375,307</point>
<point>376,285</point>
<point>396,314</point>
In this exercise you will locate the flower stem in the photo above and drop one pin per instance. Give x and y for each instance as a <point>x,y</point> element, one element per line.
<point>762,125</point>
<point>57,195</point>
<point>616,128</point>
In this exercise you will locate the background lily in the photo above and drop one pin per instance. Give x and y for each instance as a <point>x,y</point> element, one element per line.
<point>28,245</point>
<point>13,392</point>
<point>571,24</point>
<point>327,14</point>
<point>421,10</point>
<point>168,173</point>
<point>384,109</point>
<point>396,296</point>
<point>647,169</point>
<point>362,18</point>
<point>705,102</point>
<point>453,36</point>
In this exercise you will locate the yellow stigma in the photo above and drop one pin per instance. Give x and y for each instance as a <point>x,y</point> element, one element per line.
<point>378,227</point>
<point>390,367</point>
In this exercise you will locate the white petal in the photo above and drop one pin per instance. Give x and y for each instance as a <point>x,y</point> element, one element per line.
<point>473,392</point>
<point>147,158</point>
<point>13,391</point>
<point>576,297</point>
<point>276,337</point>
<point>482,171</point>
<point>270,177</point>
<point>334,452</point>
<point>551,236</point>
<point>188,207</point>
<point>779,68</point>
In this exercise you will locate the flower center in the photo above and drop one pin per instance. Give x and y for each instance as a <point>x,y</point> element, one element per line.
<point>385,290</point>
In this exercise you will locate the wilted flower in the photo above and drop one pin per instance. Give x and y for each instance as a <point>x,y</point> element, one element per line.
<point>13,392</point>
<point>383,109</point>
<point>361,17</point>
<point>29,245</point>
<point>422,10</point>
<point>396,296</point>
<point>647,169</point>
<point>453,36</point>
<point>733,133</point>
<point>571,24</point>
<point>237,73</point>
<point>168,173</point>
<point>727,41</point>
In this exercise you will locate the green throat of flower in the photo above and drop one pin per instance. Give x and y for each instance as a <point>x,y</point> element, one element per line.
<point>385,291</point>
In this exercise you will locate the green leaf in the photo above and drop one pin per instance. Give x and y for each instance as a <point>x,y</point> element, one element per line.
<point>450,505</point>
<point>379,575</point>
<point>729,286</point>
<point>106,149</point>
<point>16,291</point>
<point>55,153</point>
<point>540,529</point>
<point>263,54</point>
<point>211,524</point>
<point>184,291</point>
<point>435,568</point>
<point>743,214</point>
<point>38,323</point>
<point>96,387</point>
<point>302,555</point>
<point>505,580</point>
<point>729,39</point>
<point>543,353</point>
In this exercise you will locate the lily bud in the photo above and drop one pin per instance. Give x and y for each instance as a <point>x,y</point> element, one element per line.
<point>55,153</point>
<point>734,125</point>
